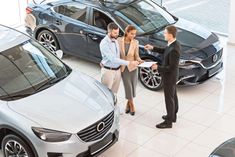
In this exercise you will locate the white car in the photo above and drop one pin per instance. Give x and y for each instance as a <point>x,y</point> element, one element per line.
<point>46,108</point>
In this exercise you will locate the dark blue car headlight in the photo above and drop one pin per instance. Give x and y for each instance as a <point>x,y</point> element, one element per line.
<point>183,62</point>
<point>51,135</point>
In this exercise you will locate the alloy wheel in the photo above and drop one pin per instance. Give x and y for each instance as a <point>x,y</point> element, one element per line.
<point>48,41</point>
<point>15,149</point>
<point>151,78</point>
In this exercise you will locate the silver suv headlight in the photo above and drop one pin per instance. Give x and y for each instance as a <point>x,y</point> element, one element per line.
<point>51,135</point>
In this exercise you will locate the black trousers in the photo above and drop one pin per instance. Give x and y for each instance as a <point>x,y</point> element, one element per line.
<point>171,101</point>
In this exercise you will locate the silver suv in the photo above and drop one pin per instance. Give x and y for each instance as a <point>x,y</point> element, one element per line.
<point>46,108</point>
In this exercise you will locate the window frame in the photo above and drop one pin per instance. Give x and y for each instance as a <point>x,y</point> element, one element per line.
<point>91,18</point>
<point>75,3</point>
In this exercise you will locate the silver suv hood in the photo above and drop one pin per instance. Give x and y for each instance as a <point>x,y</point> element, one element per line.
<point>70,105</point>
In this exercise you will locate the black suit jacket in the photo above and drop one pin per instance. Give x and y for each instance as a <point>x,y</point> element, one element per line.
<point>170,64</point>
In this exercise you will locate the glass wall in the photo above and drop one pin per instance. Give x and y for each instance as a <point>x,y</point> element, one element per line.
<point>12,12</point>
<point>212,14</point>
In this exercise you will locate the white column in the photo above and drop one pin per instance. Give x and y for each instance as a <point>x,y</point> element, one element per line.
<point>22,10</point>
<point>231,38</point>
<point>9,12</point>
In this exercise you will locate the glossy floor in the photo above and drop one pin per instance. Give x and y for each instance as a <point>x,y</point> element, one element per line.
<point>206,116</point>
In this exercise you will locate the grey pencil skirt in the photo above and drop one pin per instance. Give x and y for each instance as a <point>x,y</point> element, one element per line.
<point>130,82</point>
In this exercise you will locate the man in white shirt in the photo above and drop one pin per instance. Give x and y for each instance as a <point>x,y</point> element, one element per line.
<point>111,62</point>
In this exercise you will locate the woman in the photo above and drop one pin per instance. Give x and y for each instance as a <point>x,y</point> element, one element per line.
<point>129,48</point>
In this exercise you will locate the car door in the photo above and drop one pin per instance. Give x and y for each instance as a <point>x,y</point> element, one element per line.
<point>71,19</point>
<point>97,30</point>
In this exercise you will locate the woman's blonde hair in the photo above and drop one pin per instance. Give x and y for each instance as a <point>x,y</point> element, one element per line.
<point>128,29</point>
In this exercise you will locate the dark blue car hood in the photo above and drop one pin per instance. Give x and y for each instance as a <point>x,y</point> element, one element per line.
<point>195,40</point>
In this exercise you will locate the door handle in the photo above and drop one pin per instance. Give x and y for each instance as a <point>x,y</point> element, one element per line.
<point>58,22</point>
<point>93,37</point>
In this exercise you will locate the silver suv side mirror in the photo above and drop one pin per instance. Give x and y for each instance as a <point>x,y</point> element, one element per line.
<point>59,54</point>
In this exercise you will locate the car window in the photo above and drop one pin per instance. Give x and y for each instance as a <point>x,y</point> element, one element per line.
<point>100,20</point>
<point>73,10</point>
<point>25,68</point>
<point>145,15</point>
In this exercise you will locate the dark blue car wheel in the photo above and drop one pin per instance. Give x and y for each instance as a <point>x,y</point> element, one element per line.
<point>48,40</point>
<point>151,79</point>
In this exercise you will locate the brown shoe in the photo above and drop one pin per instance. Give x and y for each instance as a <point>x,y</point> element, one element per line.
<point>127,107</point>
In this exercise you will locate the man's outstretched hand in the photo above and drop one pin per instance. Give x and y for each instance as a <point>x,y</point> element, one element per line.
<point>154,66</point>
<point>148,47</point>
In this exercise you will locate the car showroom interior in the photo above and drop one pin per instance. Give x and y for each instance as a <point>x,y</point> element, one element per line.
<point>117,78</point>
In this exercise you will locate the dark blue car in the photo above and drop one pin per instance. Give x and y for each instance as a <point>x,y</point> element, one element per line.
<point>78,26</point>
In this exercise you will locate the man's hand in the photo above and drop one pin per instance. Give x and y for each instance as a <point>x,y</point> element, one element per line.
<point>154,67</point>
<point>148,47</point>
<point>101,65</point>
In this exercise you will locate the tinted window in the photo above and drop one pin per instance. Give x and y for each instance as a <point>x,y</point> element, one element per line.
<point>100,20</point>
<point>26,68</point>
<point>145,15</point>
<point>73,10</point>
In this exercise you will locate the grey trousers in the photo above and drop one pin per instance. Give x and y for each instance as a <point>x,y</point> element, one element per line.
<point>130,82</point>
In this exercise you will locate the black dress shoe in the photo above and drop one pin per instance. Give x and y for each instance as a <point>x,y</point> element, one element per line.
<point>164,125</point>
<point>165,118</point>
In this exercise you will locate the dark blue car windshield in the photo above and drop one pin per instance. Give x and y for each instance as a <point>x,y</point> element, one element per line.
<point>145,15</point>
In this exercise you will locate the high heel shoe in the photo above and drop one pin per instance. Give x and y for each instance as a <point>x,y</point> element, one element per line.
<point>127,107</point>
<point>132,109</point>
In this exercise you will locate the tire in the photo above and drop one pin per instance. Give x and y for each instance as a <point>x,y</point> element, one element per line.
<point>19,147</point>
<point>150,79</point>
<point>48,40</point>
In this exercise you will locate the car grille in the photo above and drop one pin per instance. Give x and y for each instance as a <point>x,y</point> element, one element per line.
<point>91,133</point>
<point>209,61</point>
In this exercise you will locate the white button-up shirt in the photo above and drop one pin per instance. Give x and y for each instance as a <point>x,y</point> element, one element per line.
<point>110,52</point>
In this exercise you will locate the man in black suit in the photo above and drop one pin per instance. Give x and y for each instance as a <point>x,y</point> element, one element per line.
<point>170,71</point>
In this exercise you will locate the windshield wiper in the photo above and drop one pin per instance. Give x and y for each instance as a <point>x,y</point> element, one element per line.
<point>46,84</point>
<point>154,30</point>
<point>43,86</point>
<point>13,97</point>
<point>157,29</point>
<point>51,82</point>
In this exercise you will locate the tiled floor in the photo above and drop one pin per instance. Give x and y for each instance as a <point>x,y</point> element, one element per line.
<point>206,116</point>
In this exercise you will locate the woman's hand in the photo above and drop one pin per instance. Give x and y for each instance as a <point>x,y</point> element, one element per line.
<point>140,61</point>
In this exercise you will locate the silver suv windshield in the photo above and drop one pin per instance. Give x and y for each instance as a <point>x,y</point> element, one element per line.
<point>145,15</point>
<point>27,69</point>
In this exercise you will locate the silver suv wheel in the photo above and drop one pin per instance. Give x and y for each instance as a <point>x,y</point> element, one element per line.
<point>13,146</point>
